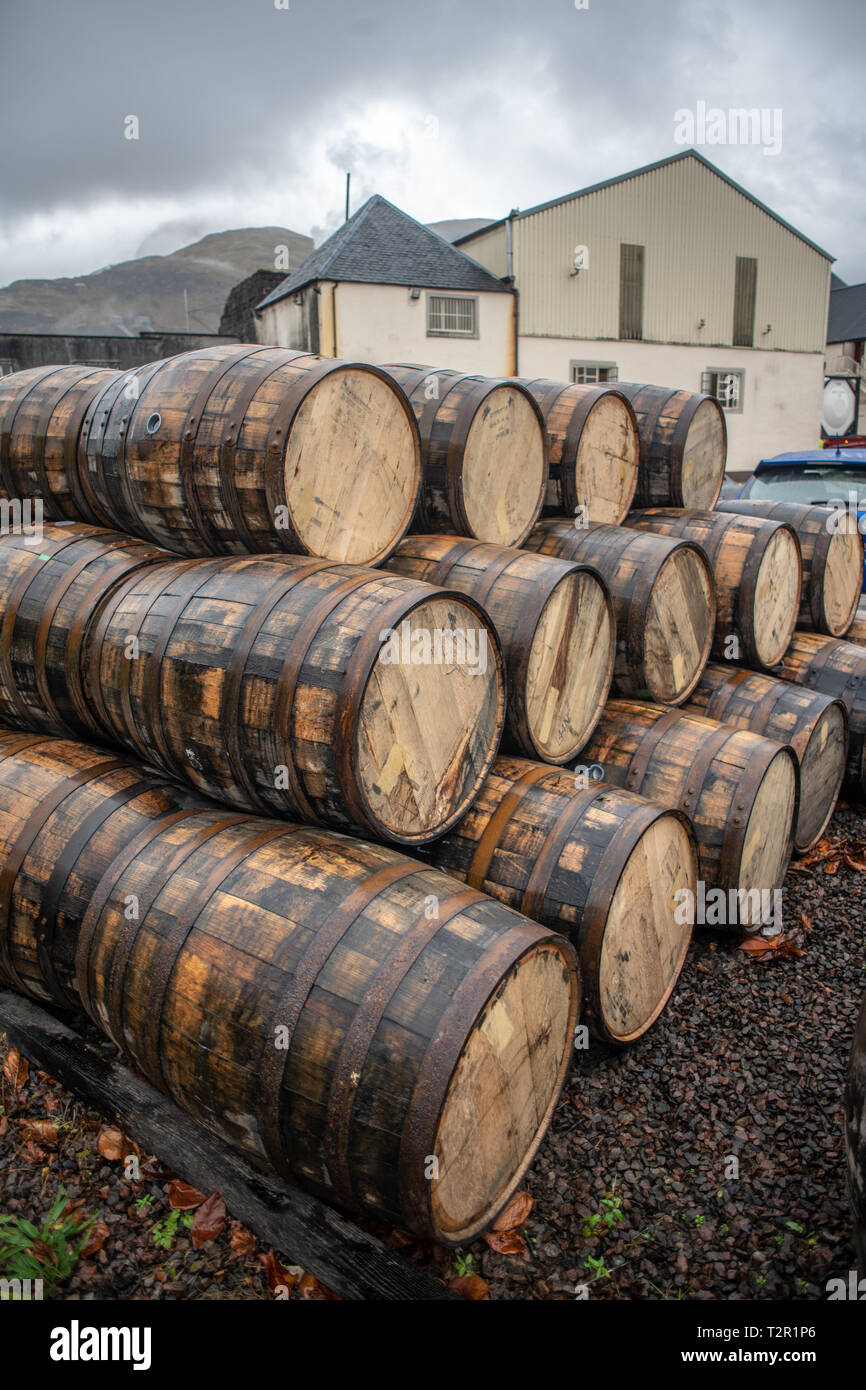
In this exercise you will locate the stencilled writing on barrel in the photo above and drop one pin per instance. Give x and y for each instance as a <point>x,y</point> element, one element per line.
<point>499,416</point>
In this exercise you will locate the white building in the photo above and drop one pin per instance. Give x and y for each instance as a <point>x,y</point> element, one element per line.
<point>384,288</point>
<point>672,274</point>
<point>687,281</point>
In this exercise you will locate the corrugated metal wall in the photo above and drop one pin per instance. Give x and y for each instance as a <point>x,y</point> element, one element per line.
<point>694,226</point>
<point>488,250</point>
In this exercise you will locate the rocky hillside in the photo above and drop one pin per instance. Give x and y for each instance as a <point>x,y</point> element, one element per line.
<point>149,293</point>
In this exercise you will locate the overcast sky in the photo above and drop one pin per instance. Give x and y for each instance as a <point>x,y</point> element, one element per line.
<point>249,114</point>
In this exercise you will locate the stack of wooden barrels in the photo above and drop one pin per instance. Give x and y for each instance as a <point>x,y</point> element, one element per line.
<point>286,617</point>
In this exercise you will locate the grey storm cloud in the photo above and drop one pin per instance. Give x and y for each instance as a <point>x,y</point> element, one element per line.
<point>230,93</point>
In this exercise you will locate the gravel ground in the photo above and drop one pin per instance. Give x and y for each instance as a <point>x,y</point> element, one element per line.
<point>634,1193</point>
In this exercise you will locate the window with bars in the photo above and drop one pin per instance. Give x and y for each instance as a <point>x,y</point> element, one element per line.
<point>745,286</point>
<point>631,260</point>
<point>450,317</point>
<point>591,373</point>
<point>726,385</point>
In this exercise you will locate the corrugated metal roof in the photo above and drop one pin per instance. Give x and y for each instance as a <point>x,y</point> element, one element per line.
<point>380,245</point>
<point>847,318</point>
<point>649,169</point>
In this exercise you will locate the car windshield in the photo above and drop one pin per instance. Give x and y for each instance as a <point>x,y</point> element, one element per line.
<point>827,484</point>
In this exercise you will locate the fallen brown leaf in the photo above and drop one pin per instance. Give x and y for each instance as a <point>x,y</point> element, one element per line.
<point>505,1242</point>
<point>515,1214</point>
<point>155,1171</point>
<point>242,1241</point>
<point>16,1069</point>
<point>44,1254</point>
<point>111,1144</point>
<point>210,1220</point>
<point>32,1153</point>
<point>309,1287</point>
<point>181,1195</point>
<point>40,1131</point>
<point>471,1286</point>
<point>278,1276</point>
<point>760,946</point>
<point>98,1237</point>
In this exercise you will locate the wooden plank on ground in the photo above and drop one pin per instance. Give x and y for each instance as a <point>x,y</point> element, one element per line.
<point>344,1258</point>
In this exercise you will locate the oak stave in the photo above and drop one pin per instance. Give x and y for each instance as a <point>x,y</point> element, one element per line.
<point>484,453</point>
<point>403,1035</point>
<point>597,863</point>
<point>739,790</point>
<point>832,551</point>
<point>42,411</point>
<point>836,668</point>
<point>815,726</point>
<point>593,449</point>
<point>855,1135</point>
<point>757,570</point>
<point>555,621</point>
<point>683,446</point>
<point>243,449</point>
<point>664,600</point>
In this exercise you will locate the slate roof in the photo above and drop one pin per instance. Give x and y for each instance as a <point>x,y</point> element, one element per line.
<point>380,245</point>
<point>847,318</point>
<point>649,169</point>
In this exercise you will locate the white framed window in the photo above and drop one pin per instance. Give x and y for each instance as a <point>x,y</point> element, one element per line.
<point>8,365</point>
<point>592,373</point>
<point>727,385</point>
<point>449,316</point>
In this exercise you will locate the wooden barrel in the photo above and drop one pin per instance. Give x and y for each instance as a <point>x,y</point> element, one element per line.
<point>683,446</point>
<point>601,865</point>
<point>47,595</point>
<point>855,1136</point>
<point>663,596</point>
<point>66,811</point>
<point>594,448</point>
<point>42,411</point>
<point>857,631</point>
<point>832,550</point>
<point>328,693</point>
<point>484,453</point>
<point>757,569</point>
<point>556,624</point>
<point>838,669</point>
<point>739,790</point>
<point>813,725</point>
<point>360,1022</point>
<point>243,448</point>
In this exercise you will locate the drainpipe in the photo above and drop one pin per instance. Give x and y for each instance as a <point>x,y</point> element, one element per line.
<point>509,268</point>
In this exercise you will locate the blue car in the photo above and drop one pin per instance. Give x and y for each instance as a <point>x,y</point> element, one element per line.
<point>820,477</point>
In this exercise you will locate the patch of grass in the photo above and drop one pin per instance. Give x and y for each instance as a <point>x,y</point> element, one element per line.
<point>49,1252</point>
